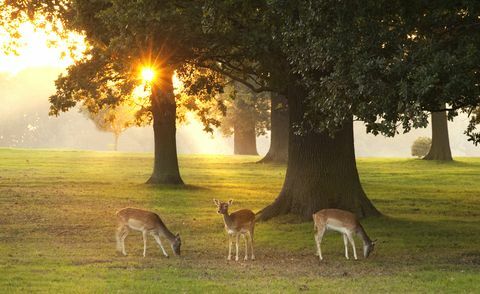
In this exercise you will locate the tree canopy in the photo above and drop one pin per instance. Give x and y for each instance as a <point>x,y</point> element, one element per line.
<point>388,63</point>
<point>385,62</point>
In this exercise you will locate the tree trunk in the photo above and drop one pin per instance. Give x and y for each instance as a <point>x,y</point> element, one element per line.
<point>244,136</point>
<point>440,149</point>
<point>165,169</point>
<point>321,171</point>
<point>115,146</point>
<point>278,151</point>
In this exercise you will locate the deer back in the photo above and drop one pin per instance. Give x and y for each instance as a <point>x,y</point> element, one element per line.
<point>240,219</point>
<point>139,218</point>
<point>336,218</point>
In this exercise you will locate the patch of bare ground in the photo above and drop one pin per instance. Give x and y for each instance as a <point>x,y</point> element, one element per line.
<point>471,258</point>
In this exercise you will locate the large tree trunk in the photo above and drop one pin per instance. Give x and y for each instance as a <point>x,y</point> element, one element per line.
<point>440,149</point>
<point>321,171</point>
<point>165,169</point>
<point>278,151</point>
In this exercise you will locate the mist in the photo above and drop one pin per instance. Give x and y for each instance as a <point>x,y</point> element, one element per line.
<point>24,123</point>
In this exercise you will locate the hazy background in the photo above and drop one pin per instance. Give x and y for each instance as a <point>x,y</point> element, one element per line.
<point>24,122</point>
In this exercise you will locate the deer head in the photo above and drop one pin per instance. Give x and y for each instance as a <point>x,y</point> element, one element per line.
<point>222,206</point>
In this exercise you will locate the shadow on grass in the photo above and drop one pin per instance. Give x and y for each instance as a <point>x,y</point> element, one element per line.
<point>436,242</point>
<point>186,187</point>
<point>453,163</point>
<point>404,242</point>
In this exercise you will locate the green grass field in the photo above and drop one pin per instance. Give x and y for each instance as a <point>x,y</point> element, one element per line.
<point>57,224</point>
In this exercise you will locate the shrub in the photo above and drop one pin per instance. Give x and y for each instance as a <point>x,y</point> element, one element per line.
<point>421,146</point>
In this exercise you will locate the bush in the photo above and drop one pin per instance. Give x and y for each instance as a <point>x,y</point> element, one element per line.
<point>421,146</point>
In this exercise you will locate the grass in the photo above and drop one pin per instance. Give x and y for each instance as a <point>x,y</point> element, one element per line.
<point>57,227</point>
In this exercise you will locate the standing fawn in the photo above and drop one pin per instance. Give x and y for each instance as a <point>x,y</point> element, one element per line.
<point>148,223</point>
<point>344,222</point>
<point>241,222</point>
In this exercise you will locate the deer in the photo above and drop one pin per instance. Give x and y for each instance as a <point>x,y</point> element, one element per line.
<point>344,222</point>
<point>146,222</point>
<point>240,222</point>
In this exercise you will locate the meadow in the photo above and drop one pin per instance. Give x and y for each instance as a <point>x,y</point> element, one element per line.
<point>57,224</point>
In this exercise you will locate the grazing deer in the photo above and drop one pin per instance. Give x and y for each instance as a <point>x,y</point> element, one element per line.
<point>344,222</point>
<point>240,222</point>
<point>145,222</point>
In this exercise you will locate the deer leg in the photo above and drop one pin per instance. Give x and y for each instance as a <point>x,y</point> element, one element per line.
<point>118,235</point>
<point>123,235</point>
<point>245,237</point>
<point>144,234</point>
<point>345,242</point>
<point>250,233</point>
<point>237,238</point>
<point>229,247</point>
<point>352,242</point>
<point>159,242</point>
<point>251,244</point>
<point>318,240</point>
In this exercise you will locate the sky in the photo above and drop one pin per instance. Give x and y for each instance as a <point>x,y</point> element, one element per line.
<point>27,80</point>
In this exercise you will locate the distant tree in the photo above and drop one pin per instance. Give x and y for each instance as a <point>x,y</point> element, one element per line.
<point>279,124</point>
<point>113,119</point>
<point>246,117</point>
<point>421,146</point>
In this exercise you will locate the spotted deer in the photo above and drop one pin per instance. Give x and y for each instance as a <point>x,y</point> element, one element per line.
<point>344,222</point>
<point>148,223</point>
<point>240,222</point>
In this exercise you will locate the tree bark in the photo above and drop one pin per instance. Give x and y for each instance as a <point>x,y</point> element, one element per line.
<point>321,171</point>
<point>165,168</point>
<point>244,140</point>
<point>440,149</point>
<point>244,133</point>
<point>278,151</point>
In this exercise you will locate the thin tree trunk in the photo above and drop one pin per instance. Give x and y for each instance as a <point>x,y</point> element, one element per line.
<point>278,151</point>
<point>440,149</point>
<point>116,135</point>
<point>321,171</point>
<point>165,169</point>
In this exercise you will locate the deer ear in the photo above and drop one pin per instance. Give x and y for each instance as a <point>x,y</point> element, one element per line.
<point>374,241</point>
<point>230,202</point>
<point>215,201</point>
<point>177,235</point>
